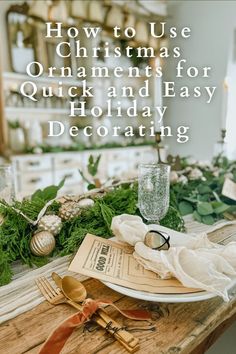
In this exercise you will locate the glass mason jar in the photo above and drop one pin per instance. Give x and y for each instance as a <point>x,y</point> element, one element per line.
<point>153,191</point>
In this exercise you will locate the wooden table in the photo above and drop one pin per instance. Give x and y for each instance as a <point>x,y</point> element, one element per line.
<point>179,328</point>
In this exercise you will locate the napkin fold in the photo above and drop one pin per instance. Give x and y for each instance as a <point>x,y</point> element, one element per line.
<point>195,261</point>
<point>129,228</point>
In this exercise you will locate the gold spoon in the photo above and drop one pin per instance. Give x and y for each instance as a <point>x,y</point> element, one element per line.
<point>73,289</point>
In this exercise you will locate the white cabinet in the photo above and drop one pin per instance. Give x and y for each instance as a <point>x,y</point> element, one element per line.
<point>38,171</point>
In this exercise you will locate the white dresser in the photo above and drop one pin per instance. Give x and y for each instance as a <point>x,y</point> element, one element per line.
<point>38,171</point>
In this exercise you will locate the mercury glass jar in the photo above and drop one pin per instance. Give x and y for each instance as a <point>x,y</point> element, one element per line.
<point>153,191</point>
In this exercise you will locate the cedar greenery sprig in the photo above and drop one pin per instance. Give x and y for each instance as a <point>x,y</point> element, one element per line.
<point>16,232</point>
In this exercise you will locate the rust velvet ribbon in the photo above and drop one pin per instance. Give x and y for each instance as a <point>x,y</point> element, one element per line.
<point>57,339</point>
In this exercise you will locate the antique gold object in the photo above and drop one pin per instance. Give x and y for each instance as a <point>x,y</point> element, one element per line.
<point>75,291</point>
<point>157,240</point>
<point>42,243</point>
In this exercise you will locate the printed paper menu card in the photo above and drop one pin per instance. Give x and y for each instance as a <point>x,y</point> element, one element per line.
<point>229,189</point>
<point>110,261</point>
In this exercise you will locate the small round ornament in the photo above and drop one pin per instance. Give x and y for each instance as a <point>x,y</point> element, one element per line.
<point>42,243</point>
<point>85,203</point>
<point>157,240</point>
<point>51,223</point>
<point>69,210</point>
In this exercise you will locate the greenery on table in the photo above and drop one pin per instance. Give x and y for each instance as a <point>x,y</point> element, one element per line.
<point>200,195</point>
<point>16,232</point>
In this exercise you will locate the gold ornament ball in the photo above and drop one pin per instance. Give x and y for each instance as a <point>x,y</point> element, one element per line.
<point>42,243</point>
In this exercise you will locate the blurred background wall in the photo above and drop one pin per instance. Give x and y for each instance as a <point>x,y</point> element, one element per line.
<point>212,24</point>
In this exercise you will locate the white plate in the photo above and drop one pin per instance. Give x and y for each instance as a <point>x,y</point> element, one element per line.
<point>171,298</point>
<point>176,238</point>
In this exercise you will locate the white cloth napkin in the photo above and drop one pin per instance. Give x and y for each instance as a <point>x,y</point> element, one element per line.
<point>129,228</point>
<point>195,261</point>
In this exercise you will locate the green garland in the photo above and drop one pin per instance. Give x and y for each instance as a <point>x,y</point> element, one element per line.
<point>16,232</point>
<point>82,147</point>
<point>201,197</point>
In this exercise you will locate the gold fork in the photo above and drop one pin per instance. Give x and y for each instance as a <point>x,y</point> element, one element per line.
<point>56,297</point>
<point>52,295</point>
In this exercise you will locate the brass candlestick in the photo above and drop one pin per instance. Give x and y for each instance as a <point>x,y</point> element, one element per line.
<point>220,146</point>
<point>158,146</point>
<point>223,135</point>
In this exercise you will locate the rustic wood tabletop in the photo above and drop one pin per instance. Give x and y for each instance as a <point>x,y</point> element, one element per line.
<point>175,328</point>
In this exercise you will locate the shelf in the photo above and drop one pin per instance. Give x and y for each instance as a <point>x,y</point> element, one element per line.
<point>44,111</point>
<point>30,110</point>
<point>87,150</point>
<point>42,79</point>
<point>50,111</point>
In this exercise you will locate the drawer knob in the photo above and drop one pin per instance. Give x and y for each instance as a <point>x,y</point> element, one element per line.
<point>69,175</point>
<point>35,180</point>
<point>67,161</point>
<point>34,163</point>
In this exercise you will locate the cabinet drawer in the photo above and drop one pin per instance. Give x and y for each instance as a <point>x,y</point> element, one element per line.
<point>32,181</point>
<point>74,189</point>
<point>118,155</point>
<point>149,157</point>
<point>36,163</point>
<point>72,176</point>
<point>68,161</point>
<point>117,168</point>
<point>134,154</point>
<point>135,158</point>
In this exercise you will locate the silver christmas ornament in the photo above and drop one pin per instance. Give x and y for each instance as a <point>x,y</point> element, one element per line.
<point>85,203</point>
<point>42,243</point>
<point>69,210</point>
<point>157,240</point>
<point>51,223</point>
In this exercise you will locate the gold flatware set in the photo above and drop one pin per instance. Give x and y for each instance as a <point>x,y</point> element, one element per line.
<point>71,291</point>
